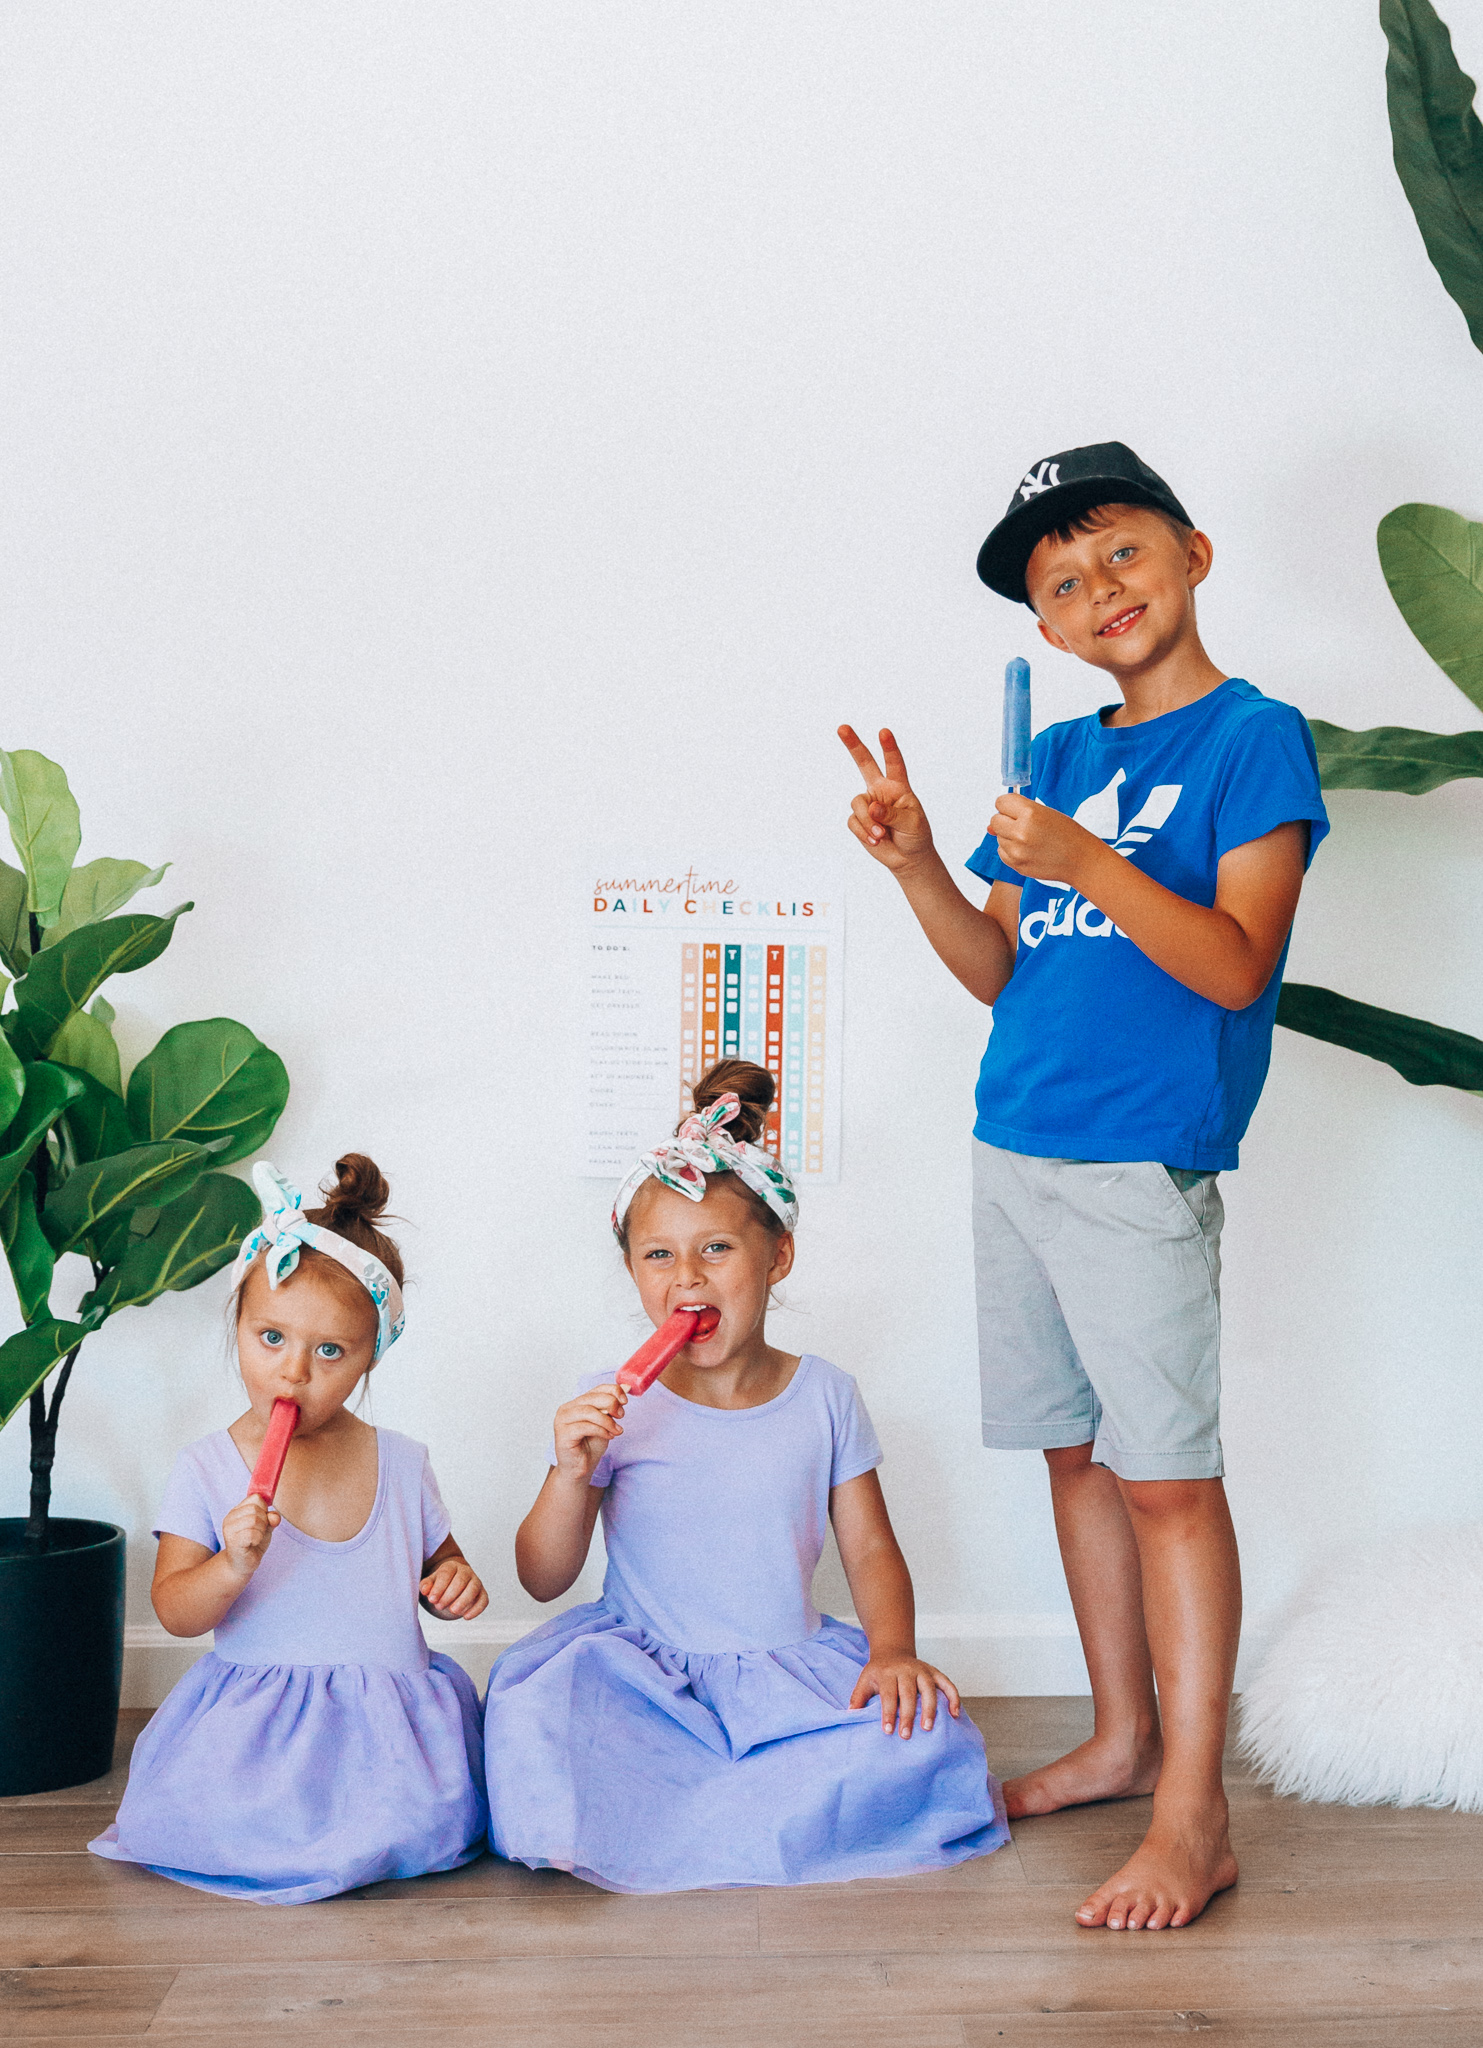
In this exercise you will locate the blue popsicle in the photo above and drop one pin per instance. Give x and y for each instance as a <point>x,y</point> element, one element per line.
<point>1014,763</point>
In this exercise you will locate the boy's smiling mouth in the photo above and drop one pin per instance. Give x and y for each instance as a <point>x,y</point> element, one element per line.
<point>1122,621</point>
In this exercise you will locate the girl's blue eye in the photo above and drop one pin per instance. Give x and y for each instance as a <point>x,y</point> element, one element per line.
<point>718,1245</point>
<point>1119,553</point>
<point>331,1351</point>
<point>656,1255</point>
<point>273,1337</point>
<point>1062,588</point>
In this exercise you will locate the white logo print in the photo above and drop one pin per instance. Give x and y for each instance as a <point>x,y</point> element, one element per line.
<point>1045,477</point>
<point>1066,916</point>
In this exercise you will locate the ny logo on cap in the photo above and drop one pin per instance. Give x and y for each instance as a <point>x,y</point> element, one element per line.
<point>1045,477</point>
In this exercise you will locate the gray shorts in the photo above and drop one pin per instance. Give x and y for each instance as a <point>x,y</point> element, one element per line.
<point>1099,1310</point>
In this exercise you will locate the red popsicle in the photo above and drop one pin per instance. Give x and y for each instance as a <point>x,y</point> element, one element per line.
<point>685,1326</point>
<point>268,1470</point>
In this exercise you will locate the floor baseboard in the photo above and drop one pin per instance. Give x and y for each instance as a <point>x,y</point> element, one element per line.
<point>1008,1655</point>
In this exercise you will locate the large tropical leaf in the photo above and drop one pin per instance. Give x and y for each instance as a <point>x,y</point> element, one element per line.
<point>61,979</point>
<point>98,1194</point>
<point>1433,562</point>
<point>85,1042</point>
<point>1438,145</point>
<point>98,890</point>
<point>49,1090</point>
<point>12,1082</point>
<point>43,824</point>
<point>31,1257</point>
<point>211,1081</point>
<point>192,1238</point>
<point>15,922</point>
<point>96,1121</point>
<point>1429,1055</point>
<point>1394,757</point>
<point>27,1358</point>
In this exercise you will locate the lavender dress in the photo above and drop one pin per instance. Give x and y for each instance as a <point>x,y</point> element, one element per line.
<point>320,1745</point>
<point>693,1727</point>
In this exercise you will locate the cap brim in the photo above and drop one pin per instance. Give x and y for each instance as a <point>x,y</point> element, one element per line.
<point>1005,555</point>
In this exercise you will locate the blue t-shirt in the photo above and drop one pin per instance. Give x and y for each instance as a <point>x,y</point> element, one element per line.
<point>1095,1052</point>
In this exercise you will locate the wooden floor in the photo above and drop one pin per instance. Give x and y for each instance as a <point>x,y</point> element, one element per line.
<point>1350,1926</point>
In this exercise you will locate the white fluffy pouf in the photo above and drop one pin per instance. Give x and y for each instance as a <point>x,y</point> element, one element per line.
<point>1371,1693</point>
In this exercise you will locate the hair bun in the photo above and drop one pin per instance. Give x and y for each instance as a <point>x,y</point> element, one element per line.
<point>359,1193</point>
<point>743,1078</point>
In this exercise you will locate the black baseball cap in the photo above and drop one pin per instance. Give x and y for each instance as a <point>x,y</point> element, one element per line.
<point>1057,490</point>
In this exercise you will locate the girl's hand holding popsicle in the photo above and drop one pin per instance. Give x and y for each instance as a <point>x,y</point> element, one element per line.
<point>246,1533</point>
<point>584,1429</point>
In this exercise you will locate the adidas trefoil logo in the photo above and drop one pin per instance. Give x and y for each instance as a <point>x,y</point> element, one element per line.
<point>1066,916</point>
<point>1045,477</point>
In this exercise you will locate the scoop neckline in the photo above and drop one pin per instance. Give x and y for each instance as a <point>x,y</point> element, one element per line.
<point>800,1371</point>
<point>324,1542</point>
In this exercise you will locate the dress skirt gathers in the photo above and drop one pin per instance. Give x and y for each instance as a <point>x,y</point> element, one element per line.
<point>320,1746</point>
<point>643,1766</point>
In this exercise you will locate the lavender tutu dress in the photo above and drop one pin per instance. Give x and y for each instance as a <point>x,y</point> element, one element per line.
<point>693,1727</point>
<point>320,1745</point>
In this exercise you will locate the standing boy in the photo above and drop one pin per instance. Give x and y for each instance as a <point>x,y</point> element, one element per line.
<point>1139,907</point>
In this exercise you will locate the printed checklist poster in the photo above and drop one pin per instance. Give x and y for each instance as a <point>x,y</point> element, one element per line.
<point>691,963</point>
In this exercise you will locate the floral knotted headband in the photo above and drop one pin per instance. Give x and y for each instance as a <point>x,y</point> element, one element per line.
<point>700,1146</point>
<point>285,1230</point>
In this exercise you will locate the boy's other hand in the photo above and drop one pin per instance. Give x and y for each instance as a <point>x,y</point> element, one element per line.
<point>887,819</point>
<point>1037,841</point>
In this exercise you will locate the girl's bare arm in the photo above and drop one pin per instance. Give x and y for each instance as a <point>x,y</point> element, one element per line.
<point>881,1587</point>
<point>552,1542</point>
<point>195,1588</point>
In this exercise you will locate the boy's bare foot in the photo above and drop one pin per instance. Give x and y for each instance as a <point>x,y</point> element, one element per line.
<point>1169,1879</point>
<point>1099,1769</point>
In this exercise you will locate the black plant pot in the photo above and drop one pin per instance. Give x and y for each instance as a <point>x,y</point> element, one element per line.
<point>61,1654</point>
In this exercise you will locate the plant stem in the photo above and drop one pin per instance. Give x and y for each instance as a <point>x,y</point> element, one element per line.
<point>43,1452</point>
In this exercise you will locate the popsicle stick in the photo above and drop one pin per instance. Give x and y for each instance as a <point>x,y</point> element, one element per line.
<point>268,1470</point>
<point>666,1344</point>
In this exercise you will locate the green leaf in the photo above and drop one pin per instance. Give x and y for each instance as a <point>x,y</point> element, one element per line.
<point>193,1237</point>
<point>1438,146</point>
<point>210,1081</point>
<point>103,1010</point>
<point>85,1042</point>
<point>43,824</point>
<point>98,1193</point>
<point>12,1084</point>
<point>1433,562</point>
<point>62,979</point>
<point>98,890</point>
<point>97,1121</point>
<point>48,1092</point>
<point>27,1358</point>
<point>15,926</point>
<point>1429,1055</point>
<point>31,1258</point>
<point>1392,757</point>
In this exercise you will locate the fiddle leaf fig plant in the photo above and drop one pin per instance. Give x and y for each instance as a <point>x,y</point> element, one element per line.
<point>128,1177</point>
<point>1432,559</point>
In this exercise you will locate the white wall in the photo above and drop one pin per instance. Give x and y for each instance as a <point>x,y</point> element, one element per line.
<point>442,438</point>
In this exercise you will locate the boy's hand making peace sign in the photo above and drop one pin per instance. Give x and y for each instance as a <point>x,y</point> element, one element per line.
<point>887,819</point>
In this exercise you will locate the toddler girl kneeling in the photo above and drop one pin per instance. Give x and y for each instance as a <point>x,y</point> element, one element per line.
<point>702,1724</point>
